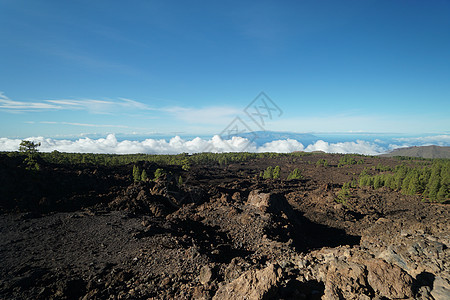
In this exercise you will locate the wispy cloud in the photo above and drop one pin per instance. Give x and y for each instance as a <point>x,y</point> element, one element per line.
<point>206,115</point>
<point>90,105</point>
<point>84,124</point>
<point>17,106</point>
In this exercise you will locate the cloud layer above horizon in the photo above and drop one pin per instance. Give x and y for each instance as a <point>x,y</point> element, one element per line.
<point>176,145</point>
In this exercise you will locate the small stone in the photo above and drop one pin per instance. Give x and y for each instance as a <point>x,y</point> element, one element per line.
<point>165,281</point>
<point>205,275</point>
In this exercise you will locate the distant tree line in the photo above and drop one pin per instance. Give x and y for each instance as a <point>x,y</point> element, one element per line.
<point>184,160</point>
<point>349,160</point>
<point>432,183</point>
<point>274,173</point>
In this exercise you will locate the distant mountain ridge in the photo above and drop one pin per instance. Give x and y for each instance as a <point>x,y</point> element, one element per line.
<point>421,151</point>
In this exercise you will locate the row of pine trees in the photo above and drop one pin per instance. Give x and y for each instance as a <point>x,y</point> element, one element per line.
<point>432,183</point>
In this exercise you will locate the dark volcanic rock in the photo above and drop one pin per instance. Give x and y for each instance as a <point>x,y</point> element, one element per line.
<point>89,232</point>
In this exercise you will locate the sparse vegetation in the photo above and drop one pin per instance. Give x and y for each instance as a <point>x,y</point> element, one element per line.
<point>159,172</point>
<point>270,173</point>
<point>344,193</point>
<point>382,168</point>
<point>212,207</point>
<point>295,174</point>
<point>186,164</point>
<point>322,162</point>
<point>349,160</point>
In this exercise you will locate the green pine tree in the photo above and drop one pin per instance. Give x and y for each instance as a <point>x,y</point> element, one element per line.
<point>159,172</point>
<point>389,181</point>
<point>295,174</point>
<point>186,164</point>
<point>30,149</point>
<point>414,184</point>
<point>276,172</point>
<point>144,176</point>
<point>268,173</point>
<point>378,182</point>
<point>442,194</point>
<point>136,173</point>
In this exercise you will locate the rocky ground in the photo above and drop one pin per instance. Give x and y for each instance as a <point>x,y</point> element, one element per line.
<point>89,232</point>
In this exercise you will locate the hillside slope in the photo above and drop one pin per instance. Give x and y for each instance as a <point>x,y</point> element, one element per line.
<point>422,151</point>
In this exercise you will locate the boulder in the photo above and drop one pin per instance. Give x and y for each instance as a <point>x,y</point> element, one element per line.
<point>271,202</point>
<point>346,280</point>
<point>389,280</point>
<point>251,285</point>
<point>441,289</point>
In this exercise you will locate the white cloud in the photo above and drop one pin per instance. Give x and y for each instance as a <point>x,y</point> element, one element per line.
<point>395,146</point>
<point>282,146</point>
<point>443,140</point>
<point>9,144</point>
<point>404,142</point>
<point>178,145</point>
<point>360,147</point>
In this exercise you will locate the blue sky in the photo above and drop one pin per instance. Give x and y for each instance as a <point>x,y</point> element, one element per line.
<point>74,68</point>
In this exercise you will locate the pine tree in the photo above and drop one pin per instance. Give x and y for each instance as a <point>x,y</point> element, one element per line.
<point>186,164</point>
<point>405,183</point>
<point>434,182</point>
<point>136,173</point>
<point>144,176</point>
<point>389,182</point>
<point>433,188</point>
<point>344,193</point>
<point>159,172</point>
<point>377,182</point>
<point>268,173</point>
<point>295,174</point>
<point>444,190</point>
<point>414,184</point>
<point>276,172</point>
<point>443,193</point>
<point>366,180</point>
<point>400,173</point>
<point>30,149</point>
